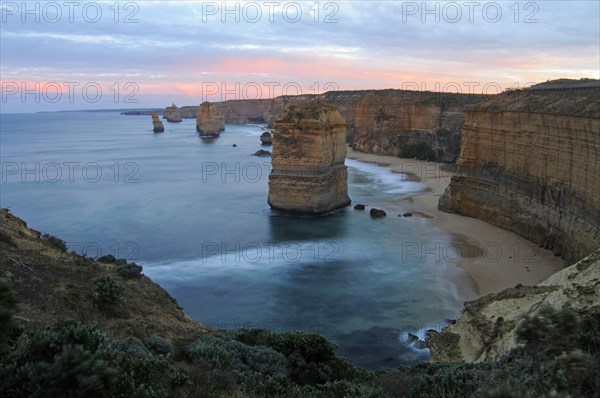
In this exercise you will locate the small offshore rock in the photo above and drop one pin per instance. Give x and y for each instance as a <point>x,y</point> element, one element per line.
<point>359,207</point>
<point>262,153</point>
<point>377,213</point>
<point>412,338</point>
<point>420,345</point>
<point>266,138</point>
<point>234,146</point>
<point>407,214</point>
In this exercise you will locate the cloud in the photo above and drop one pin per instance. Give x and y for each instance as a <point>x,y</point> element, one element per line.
<point>173,47</point>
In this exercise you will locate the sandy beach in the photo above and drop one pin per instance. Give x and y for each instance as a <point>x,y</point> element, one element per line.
<point>494,259</point>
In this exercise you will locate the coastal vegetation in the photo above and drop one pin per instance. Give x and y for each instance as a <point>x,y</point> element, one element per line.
<point>50,348</point>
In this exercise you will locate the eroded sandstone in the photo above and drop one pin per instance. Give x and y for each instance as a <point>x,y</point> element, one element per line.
<point>157,125</point>
<point>209,120</point>
<point>530,163</point>
<point>309,150</point>
<point>172,114</point>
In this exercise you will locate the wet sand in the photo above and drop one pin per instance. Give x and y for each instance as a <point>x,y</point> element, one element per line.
<point>495,259</point>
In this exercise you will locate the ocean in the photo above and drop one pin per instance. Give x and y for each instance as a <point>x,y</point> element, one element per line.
<point>193,212</point>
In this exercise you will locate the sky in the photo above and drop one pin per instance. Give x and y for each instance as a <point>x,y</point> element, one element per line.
<point>68,55</point>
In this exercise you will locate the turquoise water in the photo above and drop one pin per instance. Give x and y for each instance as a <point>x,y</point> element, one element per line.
<point>193,212</point>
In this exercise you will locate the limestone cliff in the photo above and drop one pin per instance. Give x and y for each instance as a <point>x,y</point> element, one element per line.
<point>386,121</point>
<point>377,121</point>
<point>485,330</point>
<point>309,150</point>
<point>245,111</point>
<point>529,163</point>
<point>157,124</point>
<point>172,114</point>
<point>209,120</point>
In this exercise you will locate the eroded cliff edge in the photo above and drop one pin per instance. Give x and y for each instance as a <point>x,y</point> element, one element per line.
<point>486,329</point>
<point>529,163</point>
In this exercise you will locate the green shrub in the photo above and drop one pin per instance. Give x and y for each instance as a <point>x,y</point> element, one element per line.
<point>131,347</point>
<point>220,350</point>
<point>48,342</point>
<point>4,237</point>
<point>311,357</point>
<point>72,359</point>
<point>8,306</point>
<point>107,290</point>
<point>110,259</point>
<point>420,151</point>
<point>158,345</point>
<point>588,337</point>
<point>549,333</point>
<point>55,242</point>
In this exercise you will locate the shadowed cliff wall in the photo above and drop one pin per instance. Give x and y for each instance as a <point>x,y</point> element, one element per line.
<point>530,163</point>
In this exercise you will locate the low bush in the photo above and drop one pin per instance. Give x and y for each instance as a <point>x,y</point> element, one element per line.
<point>420,151</point>
<point>55,242</point>
<point>8,306</point>
<point>107,290</point>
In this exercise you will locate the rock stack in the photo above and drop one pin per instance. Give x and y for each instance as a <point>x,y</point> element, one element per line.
<point>172,114</point>
<point>309,150</point>
<point>157,124</point>
<point>209,121</point>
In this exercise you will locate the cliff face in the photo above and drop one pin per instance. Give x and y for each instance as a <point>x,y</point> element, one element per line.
<point>209,120</point>
<point>377,121</point>
<point>172,114</point>
<point>387,121</point>
<point>245,111</point>
<point>309,150</point>
<point>529,163</point>
<point>157,124</point>
<point>485,330</point>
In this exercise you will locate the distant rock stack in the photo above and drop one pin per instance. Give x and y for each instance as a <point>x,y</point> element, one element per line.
<point>172,114</point>
<point>309,150</point>
<point>209,121</point>
<point>157,124</point>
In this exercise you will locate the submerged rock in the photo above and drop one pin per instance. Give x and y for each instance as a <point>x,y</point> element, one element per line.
<point>157,124</point>
<point>377,213</point>
<point>262,153</point>
<point>209,120</point>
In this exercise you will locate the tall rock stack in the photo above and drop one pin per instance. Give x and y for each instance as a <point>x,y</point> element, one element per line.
<point>209,120</point>
<point>309,150</point>
<point>172,114</point>
<point>157,124</point>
